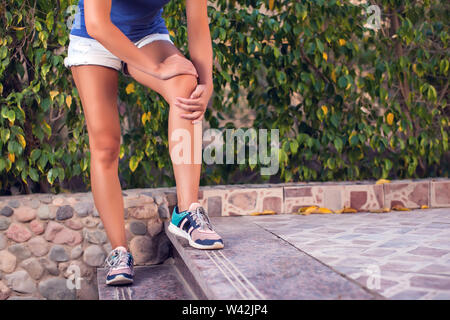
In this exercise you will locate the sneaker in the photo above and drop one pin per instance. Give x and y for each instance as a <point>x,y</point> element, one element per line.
<point>120,263</point>
<point>194,225</point>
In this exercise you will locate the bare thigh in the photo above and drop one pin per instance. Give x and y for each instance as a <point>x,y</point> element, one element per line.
<point>97,87</point>
<point>158,51</point>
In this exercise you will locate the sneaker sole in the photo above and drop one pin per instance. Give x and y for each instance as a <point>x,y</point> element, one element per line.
<point>181,233</point>
<point>118,280</point>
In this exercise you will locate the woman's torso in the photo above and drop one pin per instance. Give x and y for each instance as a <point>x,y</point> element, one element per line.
<point>135,18</point>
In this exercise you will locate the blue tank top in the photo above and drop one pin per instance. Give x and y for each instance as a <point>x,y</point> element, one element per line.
<point>135,18</point>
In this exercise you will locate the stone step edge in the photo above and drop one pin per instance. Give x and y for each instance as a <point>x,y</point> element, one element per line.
<point>196,283</point>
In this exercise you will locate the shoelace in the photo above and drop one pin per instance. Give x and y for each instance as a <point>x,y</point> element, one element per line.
<point>117,258</point>
<point>201,217</point>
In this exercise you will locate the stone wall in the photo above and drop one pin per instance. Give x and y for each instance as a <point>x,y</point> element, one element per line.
<point>42,238</point>
<point>363,196</point>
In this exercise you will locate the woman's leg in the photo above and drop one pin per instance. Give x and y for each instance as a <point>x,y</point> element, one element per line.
<point>97,86</point>
<point>187,175</point>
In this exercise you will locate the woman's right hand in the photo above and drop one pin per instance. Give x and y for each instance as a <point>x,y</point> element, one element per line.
<point>175,65</point>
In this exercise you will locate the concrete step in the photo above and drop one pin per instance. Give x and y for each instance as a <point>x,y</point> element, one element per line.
<point>159,282</point>
<point>257,264</point>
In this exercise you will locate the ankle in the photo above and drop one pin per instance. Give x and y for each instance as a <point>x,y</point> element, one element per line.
<point>121,247</point>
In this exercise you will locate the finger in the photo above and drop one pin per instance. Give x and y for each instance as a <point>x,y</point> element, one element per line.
<point>191,116</point>
<point>197,92</point>
<point>188,101</point>
<point>199,119</point>
<point>188,107</point>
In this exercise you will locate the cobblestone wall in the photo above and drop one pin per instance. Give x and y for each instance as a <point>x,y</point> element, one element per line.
<point>44,239</point>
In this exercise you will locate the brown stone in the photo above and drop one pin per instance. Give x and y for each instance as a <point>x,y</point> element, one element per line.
<point>52,229</point>
<point>419,195</point>
<point>59,234</point>
<point>18,232</point>
<point>90,222</point>
<point>298,192</point>
<point>7,261</point>
<point>37,227</point>
<point>358,199</point>
<point>442,193</point>
<point>215,206</point>
<point>142,248</point>
<point>143,212</point>
<point>38,246</point>
<point>74,224</point>
<point>5,292</point>
<point>244,200</point>
<point>272,203</point>
<point>154,226</point>
<point>24,214</point>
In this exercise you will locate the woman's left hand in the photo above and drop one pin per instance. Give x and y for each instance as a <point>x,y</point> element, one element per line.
<point>196,104</point>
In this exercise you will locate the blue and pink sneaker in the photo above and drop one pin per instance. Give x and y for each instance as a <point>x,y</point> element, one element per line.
<point>194,225</point>
<point>120,263</point>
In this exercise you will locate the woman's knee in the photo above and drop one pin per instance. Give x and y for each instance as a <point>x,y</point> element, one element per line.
<point>106,152</point>
<point>181,86</point>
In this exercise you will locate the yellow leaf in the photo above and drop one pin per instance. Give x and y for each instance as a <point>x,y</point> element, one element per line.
<point>130,88</point>
<point>333,75</point>
<point>380,210</point>
<point>22,141</point>
<point>398,207</point>
<point>424,206</point>
<point>265,212</point>
<point>69,101</point>
<point>133,164</point>
<point>303,209</point>
<point>400,128</point>
<point>47,125</point>
<point>342,42</point>
<point>11,157</point>
<point>381,181</point>
<point>390,118</point>
<point>146,117</point>
<point>17,28</point>
<point>348,210</point>
<point>322,210</point>
<point>53,94</point>
<point>271,4</point>
<point>325,109</point>
<point>325,56</point>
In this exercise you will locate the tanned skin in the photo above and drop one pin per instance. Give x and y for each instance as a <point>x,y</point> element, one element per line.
<point>186,86</point>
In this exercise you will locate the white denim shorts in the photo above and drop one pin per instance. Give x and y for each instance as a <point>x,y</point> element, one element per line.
<point>86,51</point>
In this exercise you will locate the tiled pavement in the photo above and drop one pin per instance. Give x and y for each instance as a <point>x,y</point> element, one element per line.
<point>394,255</point>
<point>400,255</point>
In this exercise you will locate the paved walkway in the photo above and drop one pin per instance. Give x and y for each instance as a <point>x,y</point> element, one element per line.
<point>400,255</point>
